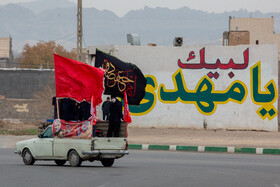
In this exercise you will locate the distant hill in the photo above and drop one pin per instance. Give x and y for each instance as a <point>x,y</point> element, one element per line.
<point>41,5</point>
<point>34,21</point>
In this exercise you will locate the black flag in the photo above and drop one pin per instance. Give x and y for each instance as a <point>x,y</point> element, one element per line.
<point>121,76</point>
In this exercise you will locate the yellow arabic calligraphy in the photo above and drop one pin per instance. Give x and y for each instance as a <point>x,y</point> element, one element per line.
<point>265,98</point>
<point>113,79</point>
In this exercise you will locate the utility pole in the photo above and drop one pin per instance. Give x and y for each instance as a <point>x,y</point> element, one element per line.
<point>79,31</point>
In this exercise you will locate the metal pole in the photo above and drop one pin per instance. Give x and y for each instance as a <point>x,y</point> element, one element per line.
<point>57,108</point>
<point>79,31</point>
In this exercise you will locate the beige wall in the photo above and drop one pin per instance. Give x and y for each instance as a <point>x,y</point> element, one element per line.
<point>261,29</point>
<point>238,38</point>
<point>5,48</point>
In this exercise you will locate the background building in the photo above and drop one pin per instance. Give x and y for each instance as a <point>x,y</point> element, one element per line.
<point>233,38</point>
<point>6,53</point>
<point>253,31</point>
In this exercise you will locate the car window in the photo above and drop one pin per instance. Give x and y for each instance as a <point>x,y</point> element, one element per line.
<point>48,133</point>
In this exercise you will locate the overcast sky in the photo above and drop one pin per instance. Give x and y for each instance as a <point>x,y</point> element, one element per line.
<point>121,7</point>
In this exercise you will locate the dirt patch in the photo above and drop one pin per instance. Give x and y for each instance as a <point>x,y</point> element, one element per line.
<point>18,127</point>
<point>193,137</point>
<point>19,132</point>
<point>16,124</point>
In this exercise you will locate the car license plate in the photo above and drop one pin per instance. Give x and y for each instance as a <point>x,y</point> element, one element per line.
<point>108,156</point>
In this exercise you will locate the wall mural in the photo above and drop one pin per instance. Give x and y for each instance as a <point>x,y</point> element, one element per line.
<point>205,97</point>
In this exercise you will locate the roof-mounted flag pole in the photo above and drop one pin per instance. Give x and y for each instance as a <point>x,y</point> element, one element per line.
<point>57,108</point>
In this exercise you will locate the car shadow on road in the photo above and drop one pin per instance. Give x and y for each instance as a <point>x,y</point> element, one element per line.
<point>68,166</point>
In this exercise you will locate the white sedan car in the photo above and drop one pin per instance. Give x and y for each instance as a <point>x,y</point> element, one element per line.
<point>47,147</point>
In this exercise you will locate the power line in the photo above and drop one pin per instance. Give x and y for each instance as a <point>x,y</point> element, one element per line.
<point>66,36</point>
<point>84,41</point>
<point>69,40</point>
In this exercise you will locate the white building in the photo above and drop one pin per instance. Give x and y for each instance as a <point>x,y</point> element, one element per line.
<point>213,87</point>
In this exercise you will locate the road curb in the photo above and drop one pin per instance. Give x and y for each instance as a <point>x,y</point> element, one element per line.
<point>247,150</point>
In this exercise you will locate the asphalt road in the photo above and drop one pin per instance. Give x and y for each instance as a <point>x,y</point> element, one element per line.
<point>147,168</point>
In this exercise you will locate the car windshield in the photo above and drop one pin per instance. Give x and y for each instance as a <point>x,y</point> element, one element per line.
<point>48,133</point>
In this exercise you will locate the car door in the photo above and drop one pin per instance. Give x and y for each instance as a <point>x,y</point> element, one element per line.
<point>44,145</point>
<point>61,147</point>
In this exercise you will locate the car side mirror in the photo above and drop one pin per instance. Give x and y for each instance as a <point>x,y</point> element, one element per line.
<point>39,135</point>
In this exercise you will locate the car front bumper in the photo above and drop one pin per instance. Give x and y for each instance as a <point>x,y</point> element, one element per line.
<point>17,152</point>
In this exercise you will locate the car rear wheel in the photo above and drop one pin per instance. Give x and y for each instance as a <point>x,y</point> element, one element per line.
<point>60,162</point>
<point>27,157</point>
<point>74,159</point>
<point>107,162</point>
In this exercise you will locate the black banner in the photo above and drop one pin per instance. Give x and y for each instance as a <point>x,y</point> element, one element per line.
<point>121,76</point>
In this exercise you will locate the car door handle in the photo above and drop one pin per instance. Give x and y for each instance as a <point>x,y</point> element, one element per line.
<point>51,140</point>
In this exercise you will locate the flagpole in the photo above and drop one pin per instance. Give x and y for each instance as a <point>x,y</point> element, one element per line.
<point>57,108</point>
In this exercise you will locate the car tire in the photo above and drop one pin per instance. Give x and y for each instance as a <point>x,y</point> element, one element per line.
<point>60,162</point>
<point>74,159</point>
<point>107,162</point>
<point>27,157</point>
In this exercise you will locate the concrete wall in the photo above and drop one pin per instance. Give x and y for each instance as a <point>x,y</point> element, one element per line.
<point>205,96</point>
<point>26,95</point>
<point>22,84</point>
<point>25,110</point>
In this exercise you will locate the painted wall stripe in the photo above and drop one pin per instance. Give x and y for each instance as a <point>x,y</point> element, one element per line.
<point>271,151</point>
<point>205,149</point>
<point>134,146</point>
<point>215,149</point>
<point>259,151</point>
<point>145,146</point>
<point>158,147</point>
<point>187,148</point>
<point>245,150</point>
<point>201,148</point>
<point>230,149</point>
<point>172,147</point>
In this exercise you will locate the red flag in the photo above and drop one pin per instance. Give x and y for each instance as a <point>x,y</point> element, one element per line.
<point>77,80</point>
<point>93,111</point>
<point>126,116</point>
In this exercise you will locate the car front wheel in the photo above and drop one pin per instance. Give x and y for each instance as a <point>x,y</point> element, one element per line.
<point>74,159</point>
<point>27,157</point>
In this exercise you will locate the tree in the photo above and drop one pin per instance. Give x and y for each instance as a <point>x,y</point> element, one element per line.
<point>41,54</point>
